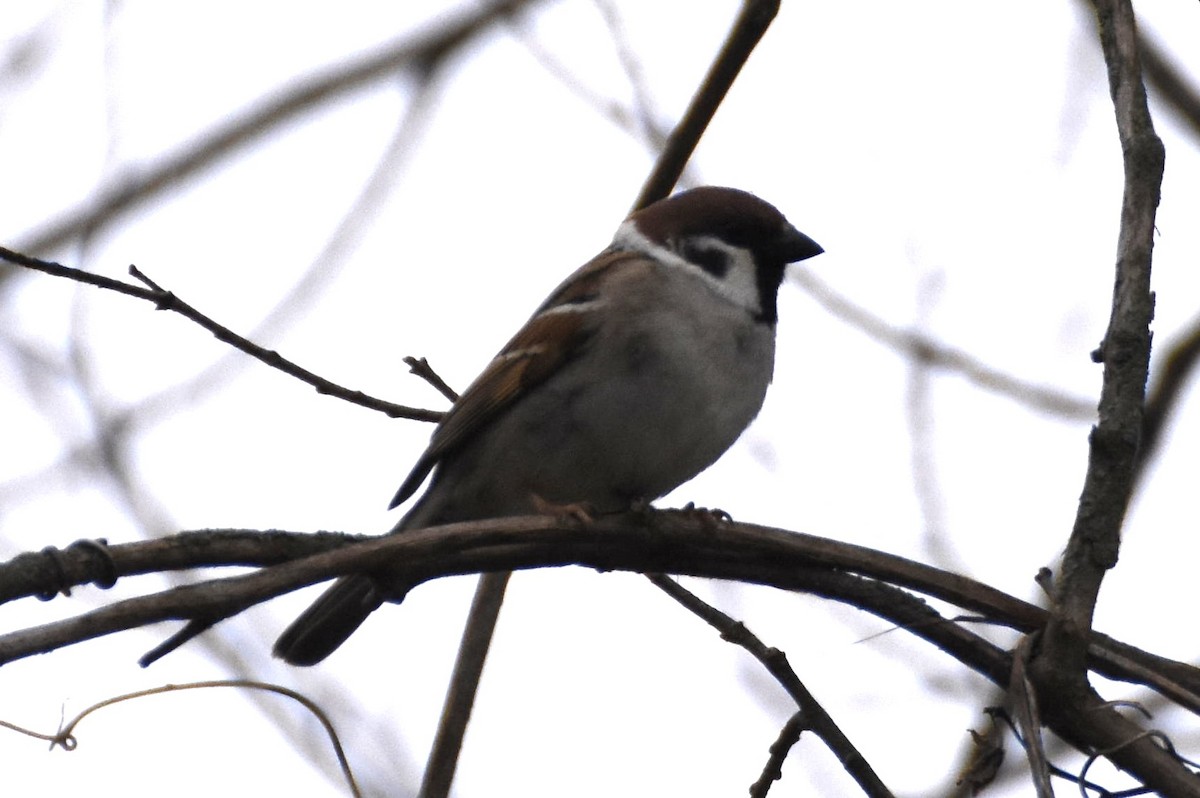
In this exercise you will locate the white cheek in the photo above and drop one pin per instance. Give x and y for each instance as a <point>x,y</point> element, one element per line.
<point>739,285</point>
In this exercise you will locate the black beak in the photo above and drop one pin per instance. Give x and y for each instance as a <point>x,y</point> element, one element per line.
<point>794,246</point>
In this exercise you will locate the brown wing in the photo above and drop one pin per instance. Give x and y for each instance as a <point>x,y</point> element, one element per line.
<point>558,330</point>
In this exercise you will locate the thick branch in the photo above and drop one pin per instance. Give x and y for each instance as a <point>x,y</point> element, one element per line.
<point>675,544</point>
<point>1125,351</point>
<point>1066,699</point>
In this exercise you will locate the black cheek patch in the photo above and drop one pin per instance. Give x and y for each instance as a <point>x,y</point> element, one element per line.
<point>713,260</point>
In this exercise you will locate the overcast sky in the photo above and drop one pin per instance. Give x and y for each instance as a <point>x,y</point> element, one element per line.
<point>958,162</point>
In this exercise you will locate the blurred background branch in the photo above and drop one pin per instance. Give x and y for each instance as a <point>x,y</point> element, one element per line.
<point>412,189</point>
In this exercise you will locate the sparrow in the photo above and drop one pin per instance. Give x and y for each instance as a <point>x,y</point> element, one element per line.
<point>635,375</point>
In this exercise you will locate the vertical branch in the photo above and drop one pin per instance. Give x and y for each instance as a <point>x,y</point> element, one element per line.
<point>1125,352</point>
<point>1066,699</point>
<point>749,27</point>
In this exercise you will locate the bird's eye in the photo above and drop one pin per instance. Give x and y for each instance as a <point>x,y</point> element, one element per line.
<point>713,259</point>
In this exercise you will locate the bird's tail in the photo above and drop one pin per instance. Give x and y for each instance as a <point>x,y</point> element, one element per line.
<point>331,619</point>
<point>343,607</point>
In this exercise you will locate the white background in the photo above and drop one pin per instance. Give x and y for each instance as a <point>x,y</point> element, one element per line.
<point>958,162</point>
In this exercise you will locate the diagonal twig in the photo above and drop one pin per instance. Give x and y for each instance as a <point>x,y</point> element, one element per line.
<point>755,17</point>
<point>775,661</point>
<point>935,354</point>
<point>165,300</point>
<point>1177,365</point>
<point>1028,719</point>
<point>772,771</point>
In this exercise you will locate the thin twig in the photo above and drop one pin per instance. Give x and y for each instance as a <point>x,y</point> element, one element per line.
<point>921,418</point>
<point>420,367</point>
<point>387,173</point>
<point>638,123</point>
<point>65,737</point>
<point>644,114</point>
<point>772,771</point>
<point>1170,82</point>
<point>1025,707</point>
<point>166,300</point>
<point>775,661</point>
<point>1176,366</point>
<point>937,355</point>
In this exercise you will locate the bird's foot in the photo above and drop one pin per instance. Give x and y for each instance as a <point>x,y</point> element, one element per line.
<point>709,517</point>
<point>580,512</point>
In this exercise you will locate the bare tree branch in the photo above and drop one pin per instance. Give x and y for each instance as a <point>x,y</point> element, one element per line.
<point>388,172</point>
<point>1067,700</point>
<point>1165,77</point>
<point>1125,353</point>
<point>464,683</point>
<point>1024,701</point>
<point>772,771</point>
<point>858,577</point>
<point>748,30</point>
<point>676,543</point>
<point>814,717</point>
<point>165,300</point>
<point>1177,364</point>
<point>935,354</point>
